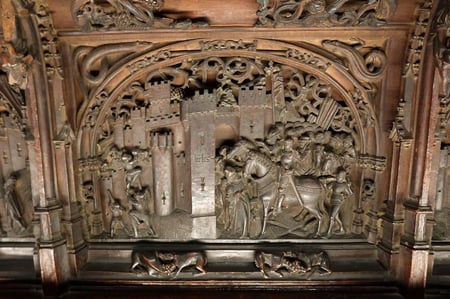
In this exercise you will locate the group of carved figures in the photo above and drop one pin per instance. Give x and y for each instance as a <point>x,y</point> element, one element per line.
<point>296,166</point>
<point>14,213</point>
<point>170,264</point>
<point>138,196</point>
<point>294,182</point>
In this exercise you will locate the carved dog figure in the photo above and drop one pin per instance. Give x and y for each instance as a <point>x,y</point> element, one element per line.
<point>277,262</point>
<point>181,261</point>
<point>151,263</point>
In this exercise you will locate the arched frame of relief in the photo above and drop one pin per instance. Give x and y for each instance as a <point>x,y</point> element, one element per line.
<point>351,90</point>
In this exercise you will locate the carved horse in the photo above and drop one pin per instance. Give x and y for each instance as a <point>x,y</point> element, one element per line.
<point>308,190</point>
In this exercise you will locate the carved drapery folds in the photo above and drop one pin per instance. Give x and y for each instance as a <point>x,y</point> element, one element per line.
<point>325,13</point>
<point>225,144</point>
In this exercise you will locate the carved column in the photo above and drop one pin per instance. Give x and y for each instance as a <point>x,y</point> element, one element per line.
<point>393,220</point>
<point>415,242</point>
<point>72,221</point>
<point>51,245</point>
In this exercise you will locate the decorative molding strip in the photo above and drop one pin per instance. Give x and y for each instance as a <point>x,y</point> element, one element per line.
<point>49,41</point>
<point>415,48</point>
<point>372,162</point>
<point>219,45</point>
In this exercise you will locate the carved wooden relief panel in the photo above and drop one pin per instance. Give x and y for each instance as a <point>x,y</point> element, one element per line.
<point>442,202</point>
<point>230,139</point>
<point>254,144</point>
<point>16,206</point>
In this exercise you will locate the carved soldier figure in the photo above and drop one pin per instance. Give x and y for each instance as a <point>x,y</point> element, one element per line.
<point>340,191</point>
<point>139,214</point>
<point>117,216</point>
<point>12,205</point>
<point>232,190</point>
<point>306,163</point>
<point>272,145</point>
<point>133,171</point>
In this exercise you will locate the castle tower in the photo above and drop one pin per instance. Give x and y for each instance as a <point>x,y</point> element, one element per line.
<point>254,112</point>
<point>162,161</point>
<point>161,111</point>
<point>199,114</point>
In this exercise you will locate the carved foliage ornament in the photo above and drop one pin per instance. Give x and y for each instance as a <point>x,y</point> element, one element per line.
<point>92,15</point>
<point>325,13</point>
<point>367,68</point>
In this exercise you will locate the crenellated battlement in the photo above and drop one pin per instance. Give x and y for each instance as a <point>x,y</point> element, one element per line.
<point>202,101</point>
<point>252,96</point>
<point>162,139</point>
<point>159,90</point>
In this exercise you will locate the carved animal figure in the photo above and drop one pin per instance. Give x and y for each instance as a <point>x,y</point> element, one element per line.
<point>265,174</point>
<point>183,260</point>
<point>151,263</point>
<point>308,190</point>
<point>275,263</point>
<point>314,262</point>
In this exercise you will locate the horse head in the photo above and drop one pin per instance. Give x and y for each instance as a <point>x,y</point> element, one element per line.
<point>240,151</point>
